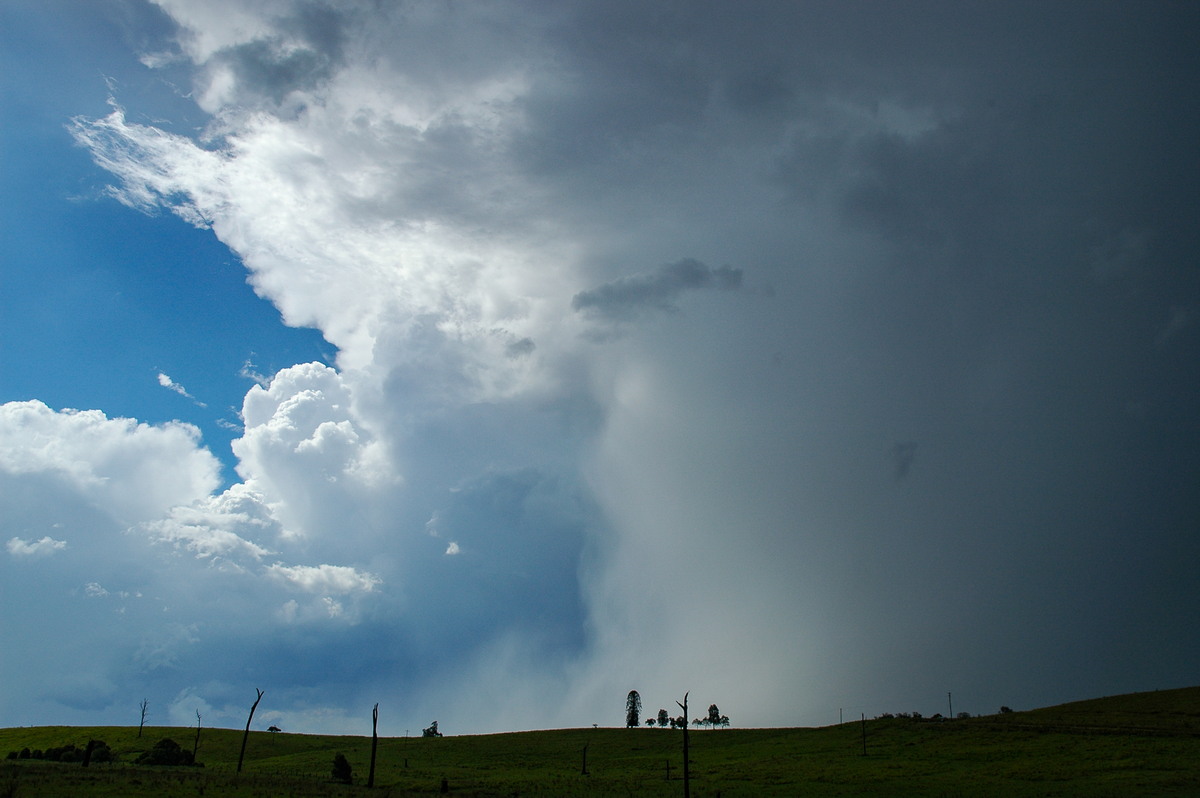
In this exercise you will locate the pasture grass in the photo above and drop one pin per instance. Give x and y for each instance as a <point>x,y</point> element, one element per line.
<point>1141,744</point>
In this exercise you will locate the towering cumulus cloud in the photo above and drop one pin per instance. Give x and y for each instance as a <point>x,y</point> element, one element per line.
<point>827,233</point>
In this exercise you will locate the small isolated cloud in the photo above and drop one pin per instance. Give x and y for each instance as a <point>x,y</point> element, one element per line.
<point>452,549</point>
<point>94,590</point>
<point>251,372</point>
<point>35,548</point>
<point>626,297</point>
<point>339,579</point>
<point>289,611</point>
<point>170,384</point>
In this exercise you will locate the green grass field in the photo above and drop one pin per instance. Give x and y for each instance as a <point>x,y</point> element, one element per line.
<point>1142,744</point>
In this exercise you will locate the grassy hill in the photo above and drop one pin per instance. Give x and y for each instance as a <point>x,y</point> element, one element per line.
<point>1140,744</point>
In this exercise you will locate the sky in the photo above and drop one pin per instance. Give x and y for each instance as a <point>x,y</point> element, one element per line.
<point>487,361</point>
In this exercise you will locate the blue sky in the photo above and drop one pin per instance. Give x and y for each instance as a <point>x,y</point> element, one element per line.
<point>99,301</point>
<point>490,361</point>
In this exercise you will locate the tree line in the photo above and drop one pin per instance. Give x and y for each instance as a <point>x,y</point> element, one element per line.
<point>633,712</point>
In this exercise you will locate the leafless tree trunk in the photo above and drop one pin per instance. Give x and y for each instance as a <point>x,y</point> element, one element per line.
<point>246,735</point>
<point>145,703</point>
<point>196,745</point>
<point>687,785</point>
<point>374,743</point>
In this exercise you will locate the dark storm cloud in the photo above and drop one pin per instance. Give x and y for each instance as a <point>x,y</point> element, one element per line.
<point>517,541</point>
<point>271,70</point>
<point>626,297</point>
<point>520,348</point>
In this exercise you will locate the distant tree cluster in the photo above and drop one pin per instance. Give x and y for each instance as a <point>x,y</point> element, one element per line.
<point>714,720</point>
<point>432,731</point>
<point>96,751</point>
<point>919,716</point>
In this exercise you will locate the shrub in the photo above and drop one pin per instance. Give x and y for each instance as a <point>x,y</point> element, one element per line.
<point>166,752</point>
<point>341,769</point>
<point>64,753</point>
<point>97,751</point>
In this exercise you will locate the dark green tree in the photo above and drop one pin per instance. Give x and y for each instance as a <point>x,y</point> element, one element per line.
<point>633,709</point>
<point>663,718</point>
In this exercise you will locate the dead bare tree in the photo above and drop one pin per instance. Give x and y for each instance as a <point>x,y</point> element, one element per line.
<point>374,743</point>
<point>145,703</point>
<point>687,785</point>
<point>196,744</point>
<point>246,735</point>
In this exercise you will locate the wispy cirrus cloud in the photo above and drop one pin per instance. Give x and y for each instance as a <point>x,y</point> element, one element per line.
<point>170,384</point>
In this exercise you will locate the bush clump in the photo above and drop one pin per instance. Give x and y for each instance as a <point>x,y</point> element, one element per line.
<point>341,769</point>
<point>96,751</point>
<point>167,752</point>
